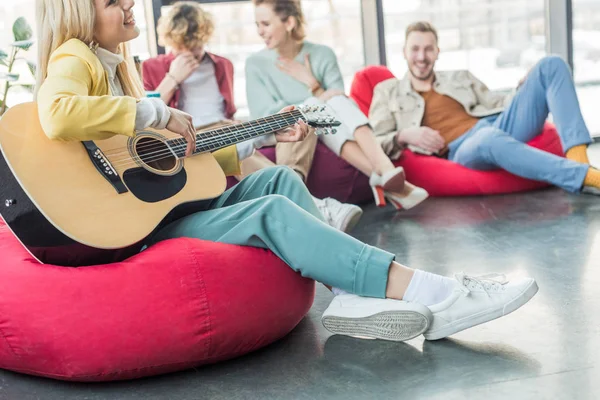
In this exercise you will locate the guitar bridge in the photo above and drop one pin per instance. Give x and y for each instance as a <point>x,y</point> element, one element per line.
<point>104,167</point>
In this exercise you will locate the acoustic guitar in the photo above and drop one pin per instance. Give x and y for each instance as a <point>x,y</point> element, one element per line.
<point>82,200</point>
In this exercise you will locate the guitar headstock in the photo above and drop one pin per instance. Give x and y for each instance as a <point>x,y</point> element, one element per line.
<point>320,118</point>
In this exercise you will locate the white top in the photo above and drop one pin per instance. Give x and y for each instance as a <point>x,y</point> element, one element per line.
<point>200,96</point>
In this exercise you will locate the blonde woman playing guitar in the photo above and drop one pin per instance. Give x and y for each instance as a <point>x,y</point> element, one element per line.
<point>270,209</point>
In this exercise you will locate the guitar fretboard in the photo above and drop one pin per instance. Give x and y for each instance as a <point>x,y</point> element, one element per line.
<point>229,135</point>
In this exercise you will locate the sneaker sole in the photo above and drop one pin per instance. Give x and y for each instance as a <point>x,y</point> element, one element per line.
<point>516,303</point>
<point>397,326</point>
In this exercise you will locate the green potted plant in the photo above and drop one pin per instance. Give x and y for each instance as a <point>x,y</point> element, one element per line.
<point>22,34</point>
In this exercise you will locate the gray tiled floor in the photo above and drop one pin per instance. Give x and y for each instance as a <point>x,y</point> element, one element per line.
<point>547,350</point>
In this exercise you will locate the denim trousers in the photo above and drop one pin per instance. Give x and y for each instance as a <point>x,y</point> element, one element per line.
<point>499,141</point>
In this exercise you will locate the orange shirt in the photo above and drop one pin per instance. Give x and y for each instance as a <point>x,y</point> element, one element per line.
<point>446,115</point>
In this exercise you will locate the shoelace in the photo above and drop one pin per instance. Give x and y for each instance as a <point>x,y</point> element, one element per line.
<point>487,282</point>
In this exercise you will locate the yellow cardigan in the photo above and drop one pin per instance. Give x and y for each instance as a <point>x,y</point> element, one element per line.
<point>74,102</point>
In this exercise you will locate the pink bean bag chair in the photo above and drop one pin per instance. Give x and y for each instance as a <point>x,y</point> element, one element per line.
<point>441,177</point>
<point>179,304</point>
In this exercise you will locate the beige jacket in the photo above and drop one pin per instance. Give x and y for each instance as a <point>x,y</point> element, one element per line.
<point>396,105</point>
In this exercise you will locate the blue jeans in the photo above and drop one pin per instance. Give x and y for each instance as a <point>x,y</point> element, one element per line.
<point>500,140</point>
<point>273,209</point>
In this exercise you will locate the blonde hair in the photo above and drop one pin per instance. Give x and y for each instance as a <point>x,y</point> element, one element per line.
<point>61,20</point>
<point>421,26</point>
<point>286,9</point>
<point>186,25</point>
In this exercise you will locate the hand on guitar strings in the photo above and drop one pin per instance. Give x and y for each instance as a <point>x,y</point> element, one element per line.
<point>296,133</point>
<point>181,124</point>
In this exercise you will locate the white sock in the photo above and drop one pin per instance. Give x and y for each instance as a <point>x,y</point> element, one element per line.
<point>428,289</point>
<point>338,291</point>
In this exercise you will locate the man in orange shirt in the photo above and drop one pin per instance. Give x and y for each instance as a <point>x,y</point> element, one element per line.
<point>454,115</point>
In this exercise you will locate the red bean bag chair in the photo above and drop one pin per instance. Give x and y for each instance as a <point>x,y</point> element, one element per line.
<point>441,177</point>
<point>179,304</point>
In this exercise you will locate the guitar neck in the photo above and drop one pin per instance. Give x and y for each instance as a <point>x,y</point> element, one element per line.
<point>215,139</point>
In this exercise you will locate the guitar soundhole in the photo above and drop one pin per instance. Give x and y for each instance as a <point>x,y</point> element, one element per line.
<point>155,154</point>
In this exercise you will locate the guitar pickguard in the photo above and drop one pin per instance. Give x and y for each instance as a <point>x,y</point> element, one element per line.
<point>152,188</point>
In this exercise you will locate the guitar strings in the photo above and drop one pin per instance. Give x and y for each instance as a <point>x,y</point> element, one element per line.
<point>225,136</point>
<point>215,132</point>
<point>180,144</point>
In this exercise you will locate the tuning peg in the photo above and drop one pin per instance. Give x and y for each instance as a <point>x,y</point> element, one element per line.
<point>333,130</point>
<point>322,108</point>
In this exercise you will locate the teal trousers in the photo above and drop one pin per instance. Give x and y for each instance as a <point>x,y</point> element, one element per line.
<point>273,209</point>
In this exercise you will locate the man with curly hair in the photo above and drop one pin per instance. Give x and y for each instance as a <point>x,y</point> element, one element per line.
<point>188,77</point>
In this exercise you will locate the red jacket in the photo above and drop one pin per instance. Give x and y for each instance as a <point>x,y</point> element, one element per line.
<point>155,69</point>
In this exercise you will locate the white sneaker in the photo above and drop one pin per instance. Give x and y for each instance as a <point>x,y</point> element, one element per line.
<point>341,216</point>
<point>372,318</point>
<point>477,300</point>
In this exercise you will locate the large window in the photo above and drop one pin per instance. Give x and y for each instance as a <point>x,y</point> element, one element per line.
<point>586,59</point>
<point>336,23</point>
<point>498,40</point>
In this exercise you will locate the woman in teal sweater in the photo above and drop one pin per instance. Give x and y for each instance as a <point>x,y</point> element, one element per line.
<point>293,71</point>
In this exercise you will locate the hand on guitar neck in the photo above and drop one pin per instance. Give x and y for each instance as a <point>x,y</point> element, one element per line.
<point>296,133</point>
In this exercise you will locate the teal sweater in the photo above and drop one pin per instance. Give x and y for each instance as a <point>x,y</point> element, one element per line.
<point>269,89</point>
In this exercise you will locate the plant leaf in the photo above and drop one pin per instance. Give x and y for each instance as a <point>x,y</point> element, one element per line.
<point>9,77</point>
<point>3,54</point>
<point>22,30</point>
<point>28,87</point>
<point>32,67</point>
<point>2,62</point>
<point>23,44</point>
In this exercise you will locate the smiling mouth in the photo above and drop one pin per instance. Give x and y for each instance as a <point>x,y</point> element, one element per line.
<point>130,20</point>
